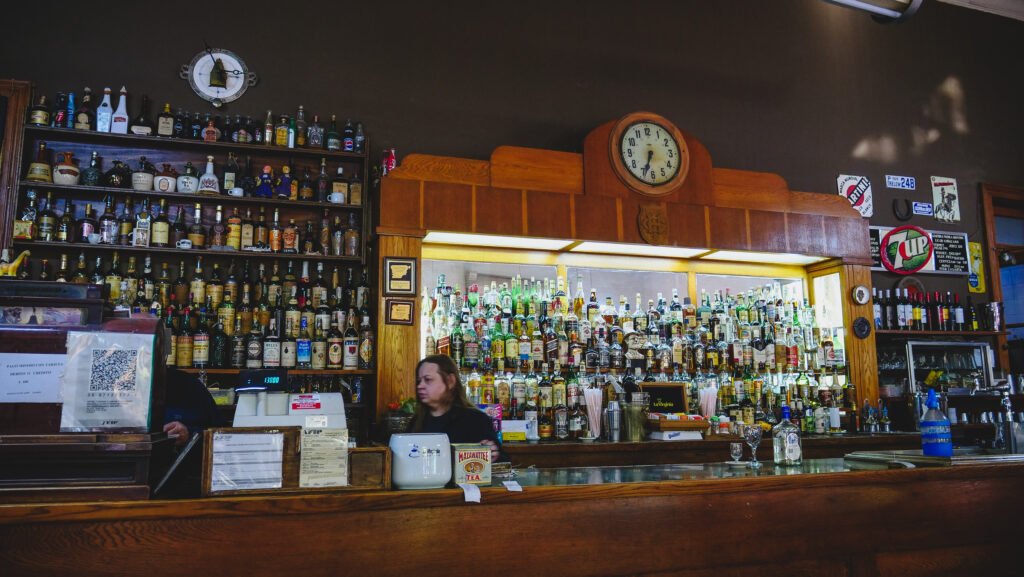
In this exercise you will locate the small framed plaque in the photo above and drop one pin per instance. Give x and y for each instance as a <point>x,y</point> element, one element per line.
<point>400,276</point>
<point>399,311</point>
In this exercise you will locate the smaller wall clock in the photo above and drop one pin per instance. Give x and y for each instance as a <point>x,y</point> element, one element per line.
<point>648,153</point>
<point>217,75</point>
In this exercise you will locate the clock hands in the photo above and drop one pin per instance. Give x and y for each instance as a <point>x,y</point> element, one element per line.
<point>650,155</point>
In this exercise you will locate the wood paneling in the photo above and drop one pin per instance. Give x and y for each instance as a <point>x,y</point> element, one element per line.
<point>447,206</point>
<point>499,211</point>
<point>537,169</point>
<point>817,203</point>
<point>687,226</point>
<point>767,230</point>
<point>806,234</point>
<point>595,219</point>
<point>400,203</point>
<point>848,236</point>
<point>630,224</point>
<point>748,189</point>
<point>443,169</point>
<point>17,93</point>
<point>862,358</point>
<point>885,520</point>
<point>728,228</point>
<point>397,345</point>
<point>548,214</point>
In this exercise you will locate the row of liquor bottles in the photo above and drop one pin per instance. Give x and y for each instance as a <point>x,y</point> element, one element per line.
<point>821,403</point>
<point>542,322</point>
<point>287,131</point>
<point>155,225</point>
<point>923,311</point>
<point>290,336</point>
<point>227,178</point>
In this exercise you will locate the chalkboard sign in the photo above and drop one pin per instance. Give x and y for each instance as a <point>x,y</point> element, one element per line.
<point>666,397</point>
<point>949,254</point>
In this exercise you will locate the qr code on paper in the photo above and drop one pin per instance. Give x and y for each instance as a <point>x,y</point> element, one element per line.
<point>113,370</point>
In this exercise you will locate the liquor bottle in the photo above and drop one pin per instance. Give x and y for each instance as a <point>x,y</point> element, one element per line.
<point>289,236</point>
<point>165,121</point>
<point>281,132</point>
<point>289,342</point>
<point>348,137</point>
<point>350,346</point>
<point>360,139</point>
<point>319,348</point>
<point>208,183</point>
<point>178,230</point>
<point>84,117</point>
<point>160,228</point>
<point>218,235</point>
<point>248,182</point>
<point>339,186</point>
<point>233,239</point>
<point>185,340</point>
<point>300,128</point>
<point>141,124</point>
<point>210,133</point>
<point>366,344</point>
<point>303,347</point>
<point>215,294</point>
<point>39,170</point>
<point>238,356</point>
<point>104,112</point>
<point>180,124</point>
<point>352,240</point>
<point>108,227</point>
<point>786,441</point>
<point>46,221</point>
<point>355,190</point>
<point>291,132</point>
<point>958,314</point>
<point>194,127</point>
<point>62,110</point>
<point>63,272</point>
<point>201,343</point>
<point>333,138</point>
<point>272,345</point>
<point>876,306</point>
<point>142,227</point>
<point>119,118</point>
<point>113,279</point>
<point>197,286</point>
<point>231,175</point>
<point>315,134</point>
<point>39,114</point>
<point>254,348</point>
<point>126,222</point>
<point>196,232</point>
<point>306,190</point>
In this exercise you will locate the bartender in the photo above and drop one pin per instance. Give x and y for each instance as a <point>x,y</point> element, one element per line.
<point>443,407</point>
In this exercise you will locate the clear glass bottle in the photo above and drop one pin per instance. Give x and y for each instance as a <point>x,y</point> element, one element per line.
<point>786,441</point>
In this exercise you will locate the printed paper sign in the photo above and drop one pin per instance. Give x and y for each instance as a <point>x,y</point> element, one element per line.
<point>247,461</point>
<point>900,182</point>
<point>857,190</point>
<point>324,461</point>
<point>923,208</point>
<point>946,199</point>
<point>976,280</point>
<point>30,378</point>
<point>107,382</point>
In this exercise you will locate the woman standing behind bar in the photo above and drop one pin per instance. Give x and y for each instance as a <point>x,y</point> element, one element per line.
<point>442,406</point>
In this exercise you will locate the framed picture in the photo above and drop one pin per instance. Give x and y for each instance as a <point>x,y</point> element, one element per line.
<point>399,311</point>
<point>400,276</point>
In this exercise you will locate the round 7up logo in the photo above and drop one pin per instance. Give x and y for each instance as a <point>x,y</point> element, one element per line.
<point>906,249</point>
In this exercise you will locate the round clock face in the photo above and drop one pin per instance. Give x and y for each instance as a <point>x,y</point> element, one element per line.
<point>218,76</point>
<point>650,153</point>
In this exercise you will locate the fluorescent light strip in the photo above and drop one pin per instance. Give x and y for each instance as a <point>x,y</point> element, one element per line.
<point>636,249</point>
<point>494,241</point>
<point>762,257</point>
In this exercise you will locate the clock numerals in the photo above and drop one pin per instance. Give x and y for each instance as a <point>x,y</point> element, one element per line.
<point>649,154</point>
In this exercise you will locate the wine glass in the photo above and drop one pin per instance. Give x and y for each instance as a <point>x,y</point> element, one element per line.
<point>736,451</point>
<point>752,435</point>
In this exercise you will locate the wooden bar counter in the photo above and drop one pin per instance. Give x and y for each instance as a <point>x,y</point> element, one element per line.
<point>694,520</point>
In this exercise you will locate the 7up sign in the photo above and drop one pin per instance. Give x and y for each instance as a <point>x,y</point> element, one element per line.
<point>906,249</point>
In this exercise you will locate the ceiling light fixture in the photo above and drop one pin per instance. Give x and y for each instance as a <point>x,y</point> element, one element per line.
<point>885,11</point>
<point>495,241</point>
<point>763,257</point>
<point>637,249</point>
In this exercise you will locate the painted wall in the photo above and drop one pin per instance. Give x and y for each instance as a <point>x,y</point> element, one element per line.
<point>801,88</point>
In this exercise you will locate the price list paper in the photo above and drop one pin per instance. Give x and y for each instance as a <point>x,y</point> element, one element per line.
<point>247,461</point>
<point>324,458</point>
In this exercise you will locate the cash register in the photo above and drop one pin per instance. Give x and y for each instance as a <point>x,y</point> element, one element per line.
<point>263,400</point>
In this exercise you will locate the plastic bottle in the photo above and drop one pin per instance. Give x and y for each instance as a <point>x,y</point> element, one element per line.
<point>936,440</point>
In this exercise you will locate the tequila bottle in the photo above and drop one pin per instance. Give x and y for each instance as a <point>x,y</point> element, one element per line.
<point>786,441</point>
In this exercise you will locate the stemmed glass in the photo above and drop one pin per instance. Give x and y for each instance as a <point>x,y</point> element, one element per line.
<point>736,451</point>
<point>752,435</point>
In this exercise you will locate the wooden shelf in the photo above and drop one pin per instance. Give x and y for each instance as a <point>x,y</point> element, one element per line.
<point>132,140</point>
<point>185,252</point>
<point>77,191</point>
<point>290,371</point>
<point>941,333</point>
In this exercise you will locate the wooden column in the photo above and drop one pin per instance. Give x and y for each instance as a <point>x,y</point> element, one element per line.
<point>398,346</point>
<point>18,93</point>
<point>861,356</point>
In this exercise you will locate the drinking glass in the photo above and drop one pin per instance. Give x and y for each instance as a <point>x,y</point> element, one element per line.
<point>752,435</point>
<point>736,451</point>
